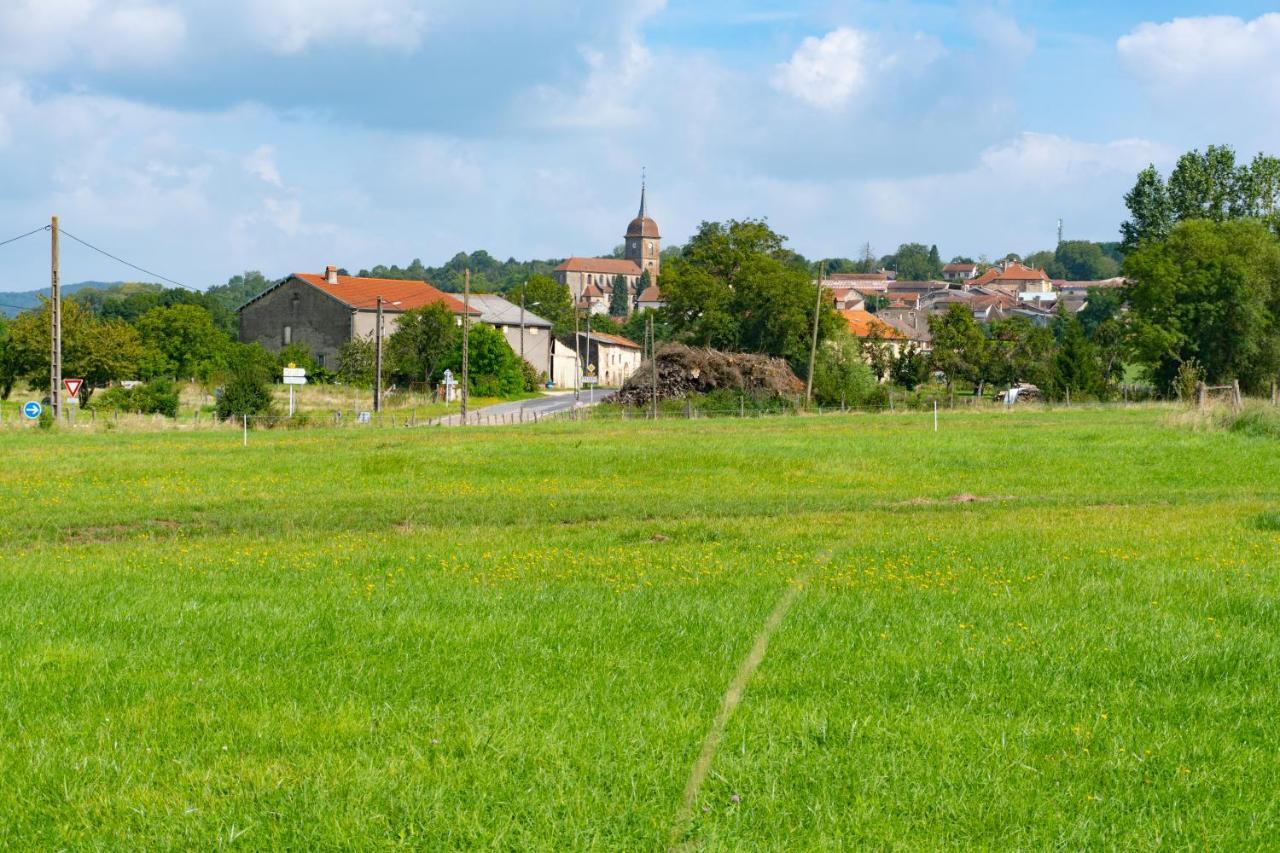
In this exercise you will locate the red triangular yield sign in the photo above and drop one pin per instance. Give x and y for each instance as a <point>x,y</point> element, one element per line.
<point>73,386</point>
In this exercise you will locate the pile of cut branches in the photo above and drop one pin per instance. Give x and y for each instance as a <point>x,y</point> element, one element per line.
<point>684,371</point>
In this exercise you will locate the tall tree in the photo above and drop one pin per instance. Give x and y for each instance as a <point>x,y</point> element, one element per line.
<point>1081,260</point>
<point>422,340</point>
<point>1209,293</point>
<point>916,262</point>
<point>98,351</point>
<point>182,340</point>
<point>1076,369</point>
<point>1206,186</point>
<point>1150,212</point>
<point>620,298</point>
<point>737,287</point>
<point>547,298</point>
<point>960,349</point>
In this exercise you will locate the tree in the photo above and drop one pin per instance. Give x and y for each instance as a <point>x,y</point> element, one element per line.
<point>547,298</point>
<point>620,298</point>
<point>1207,186</point>
<point>840,376</point>
<point>356,362</point>
<point>643,283</point>
<point>877,353</point>
<point>1210,293</point>
<point>1019,351</point>
<point>1081,260</point>
<point>1076,370</point>
<point>495,369</point>
<point>959,347</point>
<point>736,287</point>
<point>916,262</point>
<point>98,351</point>
<point>7,375</point>
<point>1047,261</point>
<point>184,340</point>
<point>423,338</point>
<point>1150,212</point>
<point>910,368</point>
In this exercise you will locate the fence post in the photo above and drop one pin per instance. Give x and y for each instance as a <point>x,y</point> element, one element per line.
<point>1236,399</point>
<point>1202,395</point>
<point>246,429</point>
<point>1275,393</point>
<point>935,415</point>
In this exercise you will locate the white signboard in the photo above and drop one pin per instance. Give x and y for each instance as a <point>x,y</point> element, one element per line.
<point>295,376</point>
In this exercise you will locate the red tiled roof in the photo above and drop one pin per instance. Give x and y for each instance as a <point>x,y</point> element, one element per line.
<point>1020,272</point>
<point>607,266</point>
<point>990,275</point>
<point>592,292</point>
<point>651,294</point>
<point>859,276</point>
<point>959,267</point>
<point>397,295</point>
<point>863,323</point>
<point>616,340</point>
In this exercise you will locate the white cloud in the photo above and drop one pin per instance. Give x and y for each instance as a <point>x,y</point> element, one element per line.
<point>1220,67</point>
<point>827,72</point>
<point>39,35</point>
<point>262,162</point>
<point>292,26</point>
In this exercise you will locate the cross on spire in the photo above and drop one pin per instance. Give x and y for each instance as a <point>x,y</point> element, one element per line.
<point>643,180</point>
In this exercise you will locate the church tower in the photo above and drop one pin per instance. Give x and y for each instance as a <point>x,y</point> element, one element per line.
<point>643,242</point>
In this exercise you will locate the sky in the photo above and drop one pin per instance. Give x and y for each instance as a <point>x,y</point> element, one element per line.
<point>201,138</point>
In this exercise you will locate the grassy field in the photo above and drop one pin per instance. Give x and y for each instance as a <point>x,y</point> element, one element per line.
<point>1031,629</point>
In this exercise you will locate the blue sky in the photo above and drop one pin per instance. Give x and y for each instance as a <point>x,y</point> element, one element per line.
<point>203,137</point>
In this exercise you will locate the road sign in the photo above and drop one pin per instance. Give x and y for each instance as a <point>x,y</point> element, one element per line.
<point>295,376</point>
<point>32,410</point>
<point>591,380</point>
<point>73,386</point>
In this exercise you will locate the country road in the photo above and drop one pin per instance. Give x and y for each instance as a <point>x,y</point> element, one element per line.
<point>518,411</point>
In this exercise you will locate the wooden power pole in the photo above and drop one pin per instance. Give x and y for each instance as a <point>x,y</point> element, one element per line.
<point>55,314</point>
<point>377,360</point>
<point>813,347</point>
<point>466,343</point>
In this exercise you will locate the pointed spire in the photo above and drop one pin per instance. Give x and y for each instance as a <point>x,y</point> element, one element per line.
<point>643,180</point>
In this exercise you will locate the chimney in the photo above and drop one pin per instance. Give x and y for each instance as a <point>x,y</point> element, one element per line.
<point>331,274</point>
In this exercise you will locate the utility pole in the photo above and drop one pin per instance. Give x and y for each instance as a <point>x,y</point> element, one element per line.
<point>522,290</point>
<point>466,343</point>
<point>55,315</point>
<point>377,360</point>
<point>591,389</point>
<point>813,347</point>
<point>577,349</point>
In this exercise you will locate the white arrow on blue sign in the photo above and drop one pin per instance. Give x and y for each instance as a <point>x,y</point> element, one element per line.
<point>32,410</point>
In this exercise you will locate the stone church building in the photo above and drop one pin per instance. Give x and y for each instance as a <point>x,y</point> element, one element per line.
<point>590,280</point>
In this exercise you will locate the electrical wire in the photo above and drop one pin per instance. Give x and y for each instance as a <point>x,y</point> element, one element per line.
<point>104,252</point>
<point>28,234</point>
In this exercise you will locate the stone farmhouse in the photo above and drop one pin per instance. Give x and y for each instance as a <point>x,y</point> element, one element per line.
<point>325,311</point>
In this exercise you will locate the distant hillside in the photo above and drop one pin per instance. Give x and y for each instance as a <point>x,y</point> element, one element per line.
<point>14,301</point>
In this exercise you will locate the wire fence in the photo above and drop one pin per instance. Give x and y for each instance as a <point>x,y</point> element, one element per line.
<point>577,412</point>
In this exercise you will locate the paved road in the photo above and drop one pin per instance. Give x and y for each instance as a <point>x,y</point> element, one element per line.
<point>528,410</point>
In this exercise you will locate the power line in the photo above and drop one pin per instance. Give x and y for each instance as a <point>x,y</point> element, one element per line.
<point>21,236</point>
<point>126,263</point>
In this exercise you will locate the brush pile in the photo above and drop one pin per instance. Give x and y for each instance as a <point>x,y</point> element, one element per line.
<point>685,371</point>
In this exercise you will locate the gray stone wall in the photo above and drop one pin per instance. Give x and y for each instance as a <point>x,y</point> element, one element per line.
<point>313,318</point>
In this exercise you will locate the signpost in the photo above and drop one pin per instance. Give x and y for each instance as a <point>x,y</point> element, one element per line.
<point>449,385</point>
<point>73,386</point>
<point>591,381</point>
<point>31,411</point>
<point>294,376</point>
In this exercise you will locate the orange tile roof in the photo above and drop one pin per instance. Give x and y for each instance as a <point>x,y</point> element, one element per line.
<point>397,295</point>
<point>651,294</point>
<point>1021,272</point>
<point>602,337</point>
<point>607,266</point>
<point>990,275</point>
<point>863,324</point>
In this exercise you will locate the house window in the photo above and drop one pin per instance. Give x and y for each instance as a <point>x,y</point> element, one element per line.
<point>320,361</point>
<point>287,337</point>
<point>294,302</point>
<point>532,331</point>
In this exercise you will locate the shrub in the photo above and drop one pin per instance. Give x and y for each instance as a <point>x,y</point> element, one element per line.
<point>245,394</point>
<point>159,396</point>
<point>841,375</point>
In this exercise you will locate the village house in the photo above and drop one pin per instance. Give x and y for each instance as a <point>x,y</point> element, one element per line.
<point>323,312</point>
<point>960,272</point>
<point>866,326</point>
<point>613,358</point>
<point>528,334</point>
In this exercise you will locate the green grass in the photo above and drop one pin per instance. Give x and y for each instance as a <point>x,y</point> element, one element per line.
<point>519,638</point>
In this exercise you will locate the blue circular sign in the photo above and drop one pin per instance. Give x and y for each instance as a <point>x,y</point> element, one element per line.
<point>32,410</point>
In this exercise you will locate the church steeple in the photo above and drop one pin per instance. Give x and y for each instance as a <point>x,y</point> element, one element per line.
<point>643,241</point>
